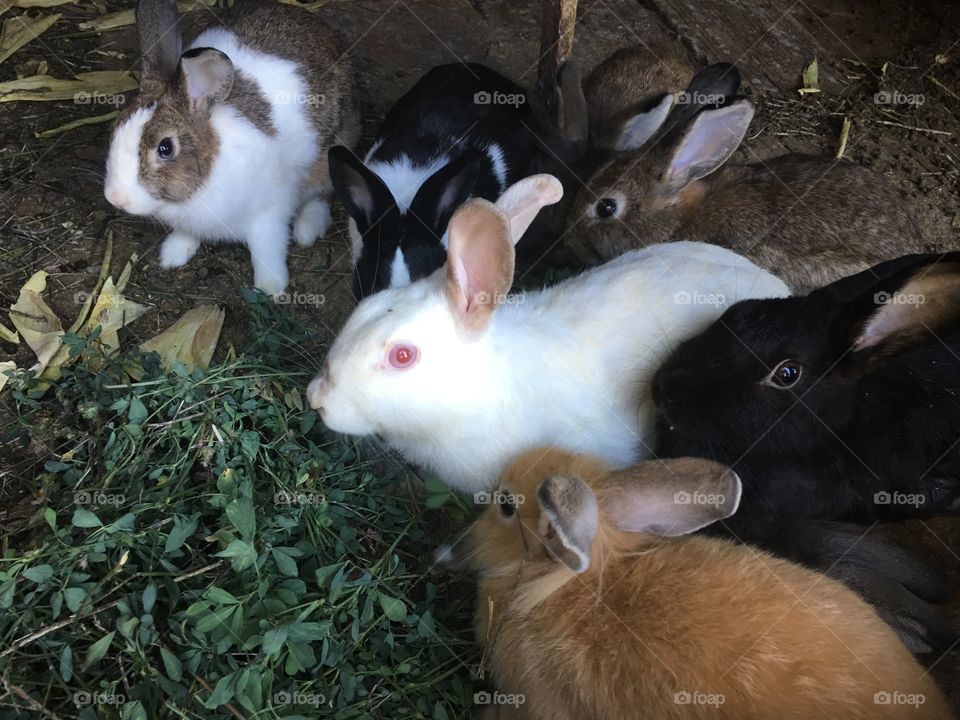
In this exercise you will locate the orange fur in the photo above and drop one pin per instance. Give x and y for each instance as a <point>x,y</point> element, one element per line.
<point>654,618</point>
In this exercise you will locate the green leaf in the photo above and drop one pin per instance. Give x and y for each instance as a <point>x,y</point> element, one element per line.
<point>216,619</point>
<point>171,665</point>
<point>149,597</point>
<point>240,512</point>
<point>241,554</point>
<point>85,519</point>
<point>74,598</point>
<point>6,593</point>
<point>50,515</point>
<point>220,596</point>
<point>39,573</point>
<point>183,527</point>
<point>395,609</point>
<point>134,711</point>
<point>66,663</point>
<point>137,412</point>
<point>98,650</point>
<point>274,640</point>
<point>435,502</point>
<point>285,564</point>
<point>223,692</point>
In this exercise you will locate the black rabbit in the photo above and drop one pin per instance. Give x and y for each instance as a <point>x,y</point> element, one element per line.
<point>841,404</point>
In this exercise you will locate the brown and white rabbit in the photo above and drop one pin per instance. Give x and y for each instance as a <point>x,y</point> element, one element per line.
<point>592,606</point>
<point>624,100</point>
<point>810,220</point>
<point>228,140</point>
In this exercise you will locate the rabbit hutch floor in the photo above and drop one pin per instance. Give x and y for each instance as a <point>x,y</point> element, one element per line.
<point>891,69</point>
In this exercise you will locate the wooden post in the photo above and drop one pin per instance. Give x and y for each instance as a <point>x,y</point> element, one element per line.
<point>558,19</point>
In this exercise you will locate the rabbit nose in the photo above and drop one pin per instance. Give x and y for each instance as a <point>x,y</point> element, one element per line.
<point>116,197</point>
<point>316,391</point>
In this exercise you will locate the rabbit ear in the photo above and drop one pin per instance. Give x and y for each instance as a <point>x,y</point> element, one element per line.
<point>160,41</point>
<point>671,497</point>
<point>904,308</point>
<point>573,116</point>
<point>568,520</point>
<point>365,196</point>
<point>206,76</point>
<point>480,259</point>
<point>446,190</point>
<point>523,200</point>
<point>637,130</point>
<point>708,143</point>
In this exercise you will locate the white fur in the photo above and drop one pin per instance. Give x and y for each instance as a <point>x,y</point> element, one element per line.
<point>312,222</point>
<point>403,178</point>
<point>399,273</point>
<point>495,153</point>
<point>257,181</point>
<point>177,249</point>
<point>569,365</point>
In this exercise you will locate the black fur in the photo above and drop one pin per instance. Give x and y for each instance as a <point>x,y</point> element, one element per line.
<point>860,425</point>
<point>443,115</point>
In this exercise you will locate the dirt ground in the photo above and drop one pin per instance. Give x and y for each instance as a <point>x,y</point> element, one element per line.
<point>53,215</point>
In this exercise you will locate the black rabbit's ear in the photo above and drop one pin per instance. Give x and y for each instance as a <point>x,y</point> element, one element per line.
<point>361,190</point>
<point>898,305</point>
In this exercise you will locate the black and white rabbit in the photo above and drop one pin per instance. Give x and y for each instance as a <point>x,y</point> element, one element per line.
<point>462,131</point>
<point>841,404</point>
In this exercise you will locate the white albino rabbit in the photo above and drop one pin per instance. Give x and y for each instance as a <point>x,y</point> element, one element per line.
<point>228,141</point>
<point>460,377</point>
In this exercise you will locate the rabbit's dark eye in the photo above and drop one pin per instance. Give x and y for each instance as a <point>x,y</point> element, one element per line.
<point>507,506</point>
<point>786,374</point>
<point>165,149</point>
<point>606,208</point>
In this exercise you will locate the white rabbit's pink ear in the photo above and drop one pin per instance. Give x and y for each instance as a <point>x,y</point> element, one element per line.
<point>670,497</point>
<point>708,143</point>
<point>480,258</point>
<point>523,200</point>
<point>206,77</point>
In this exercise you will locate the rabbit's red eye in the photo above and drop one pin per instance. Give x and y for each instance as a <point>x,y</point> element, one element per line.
<point>786,374</point>
<point>403,357</point>
<point>606,208</point>
<point>165,149</point>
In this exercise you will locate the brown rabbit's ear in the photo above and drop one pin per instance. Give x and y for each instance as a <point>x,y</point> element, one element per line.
<point>573,118</point>
<point>670,497</point>
<point>708,143</point>
<point>568,520</point>
<point>904,308</point>
<point>206,77</point>
<point>639,128</point>
<point>160,41</point>
<point>480,259</point>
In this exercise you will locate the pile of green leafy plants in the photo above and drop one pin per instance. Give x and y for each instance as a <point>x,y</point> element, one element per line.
<point>201,548</point>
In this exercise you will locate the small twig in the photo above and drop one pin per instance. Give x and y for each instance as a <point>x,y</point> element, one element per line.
<point>56,626</point>
<point>233,711</point>
<point>23,695</point>
<point>200,571</point>
<point>913,127</point>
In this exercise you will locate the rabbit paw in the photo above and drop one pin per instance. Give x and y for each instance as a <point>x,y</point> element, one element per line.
<point>268,251</point>
<point>312,222</point>
<point>177,249</point>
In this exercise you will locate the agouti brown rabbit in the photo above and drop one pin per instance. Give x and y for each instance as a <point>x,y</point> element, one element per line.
<point>592,607</point>
<point>809,220</point>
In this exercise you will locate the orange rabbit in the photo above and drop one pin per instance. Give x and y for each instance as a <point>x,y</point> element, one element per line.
<point>592,607</point>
